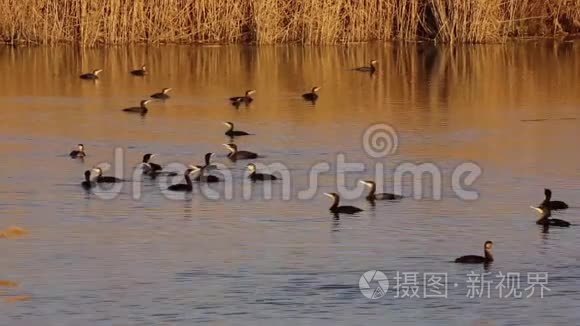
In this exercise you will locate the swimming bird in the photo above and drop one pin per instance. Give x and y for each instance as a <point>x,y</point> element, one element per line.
<point>233,133</point>
<point>187,186</point>
<point>152,169</point>
<point>140,72</point>
<point>149,166</point>
<point>91,75</point>
<point>370,68</point>
<point>162,95</point>
<point>142,108</point>
<point>341,209</point>
<point>88,183</point>
<point>372,196</point>
<point>259,176</point>
<point>545,219</point>
<point>246,99</point>
<point>552,204</point>
<point>105,179</point>
<point>312,96</point>
<point>202,177</point>
<point>235,154</point>
<point>79,152</point>
<point>474,259</point>
<point>207,159</point>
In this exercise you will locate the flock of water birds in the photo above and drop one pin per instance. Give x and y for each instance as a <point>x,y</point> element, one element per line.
<point>203,172</point>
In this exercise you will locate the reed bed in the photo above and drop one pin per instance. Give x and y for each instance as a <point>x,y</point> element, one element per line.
<point>97,22</point>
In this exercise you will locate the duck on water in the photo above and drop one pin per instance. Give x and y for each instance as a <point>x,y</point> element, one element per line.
<point>552,204</point>
<point>236,154</point>
<point>246,99</point>
<point>88,183</point>
<point>254,176</point>
<point>140,72</point>
<point>313,95</point>
<point>153,169</point>
<point>163,94</point>
<point>372,196</point>
<point>79,152</point>
<point>474,259</point>
<point>371,68</point>
<point>545,220</point>
<point>141,109</point>
<point>187,186</point>
<point>105,179</point>
<point>336,209</point>
<point>233,133</point>
<point>91,75</point>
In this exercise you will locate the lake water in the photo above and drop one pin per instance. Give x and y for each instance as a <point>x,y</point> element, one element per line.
<point>513,110</point>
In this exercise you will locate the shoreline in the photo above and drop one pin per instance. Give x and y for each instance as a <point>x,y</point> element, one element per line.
<point>567,38</point>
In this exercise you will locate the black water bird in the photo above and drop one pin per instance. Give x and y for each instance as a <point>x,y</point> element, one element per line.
<point>552,204</point>
<point>254,176</point>
<point>142,108</point>
<point>152,169</point>
<point>372,196</point>
<point>474,259</point>
<point>246,99</point>
<point>149,166</point>
<point>335,208</point>
<point>233,133</point>
<point>545,220</point>
<point>371,68</point>
<point>187,186</point>
<point>207,159</point>
<point>91,75</point>
<point>202,177</point>
<point>79,152</point>
<point>162,95</point>
<point>312,96</point>
<point>105,179</point>
<point>140,72</point>
<point>235,154</point>
<point>88,183</point>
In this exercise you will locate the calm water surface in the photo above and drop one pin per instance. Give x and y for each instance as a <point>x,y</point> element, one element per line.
<point>512,109</point>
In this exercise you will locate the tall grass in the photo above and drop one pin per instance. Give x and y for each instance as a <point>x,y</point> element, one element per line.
<point>92,22</point>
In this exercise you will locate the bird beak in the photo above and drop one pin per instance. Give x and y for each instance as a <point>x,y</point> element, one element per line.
<point>364,183</point>
<point>536,208</point>
<point>329,195</point>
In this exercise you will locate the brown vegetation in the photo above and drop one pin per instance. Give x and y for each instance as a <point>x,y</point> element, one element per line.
<point>93,22</point>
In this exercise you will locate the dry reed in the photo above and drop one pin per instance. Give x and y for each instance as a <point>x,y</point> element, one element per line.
<point>94,22</point>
